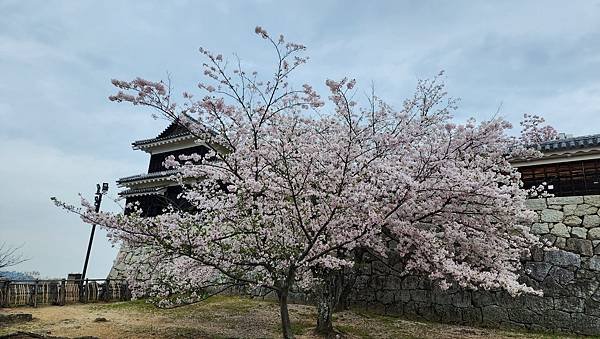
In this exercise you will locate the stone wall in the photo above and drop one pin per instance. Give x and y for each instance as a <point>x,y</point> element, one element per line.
<point>569,278</point>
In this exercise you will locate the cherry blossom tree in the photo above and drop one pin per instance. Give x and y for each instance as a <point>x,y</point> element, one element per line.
<point>292,186</point>
<point>533,132</point>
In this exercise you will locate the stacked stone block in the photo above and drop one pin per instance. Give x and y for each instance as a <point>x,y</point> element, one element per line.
<point>570,223</point>
<point>569,278</point>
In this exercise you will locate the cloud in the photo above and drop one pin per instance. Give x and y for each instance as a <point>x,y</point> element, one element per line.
<point>54,240</point>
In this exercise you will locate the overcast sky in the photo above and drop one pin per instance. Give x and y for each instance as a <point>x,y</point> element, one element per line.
<point>59,135</point>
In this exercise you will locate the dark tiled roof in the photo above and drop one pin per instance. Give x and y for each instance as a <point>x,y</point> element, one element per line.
<point>174,130</point>
<point>142,191</point>
<point>569,144</point>
<point>149,141</point>
<point>147,176</point>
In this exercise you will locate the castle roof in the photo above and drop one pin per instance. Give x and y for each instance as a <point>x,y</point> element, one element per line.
<point>564,149</point>
<point>136,192</point>
<point>146,177</point>
<point>569,143</point>
<point>173,133</point>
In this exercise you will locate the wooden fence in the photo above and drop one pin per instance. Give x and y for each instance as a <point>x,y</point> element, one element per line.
<point>61,292</point>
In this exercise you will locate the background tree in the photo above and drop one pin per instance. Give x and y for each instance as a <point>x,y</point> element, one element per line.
<point>291,187</point>
<point>534,132</point>
<point>10,256</point>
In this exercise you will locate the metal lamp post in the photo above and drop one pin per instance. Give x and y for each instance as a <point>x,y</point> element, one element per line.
<point>97,201</point>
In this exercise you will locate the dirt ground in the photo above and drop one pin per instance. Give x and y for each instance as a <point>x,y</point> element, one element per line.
<point>225,317</point>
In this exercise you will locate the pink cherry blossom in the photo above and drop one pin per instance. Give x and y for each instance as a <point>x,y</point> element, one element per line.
<point>291,187</point>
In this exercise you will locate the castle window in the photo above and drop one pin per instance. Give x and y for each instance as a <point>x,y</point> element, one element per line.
<point>566,178</point>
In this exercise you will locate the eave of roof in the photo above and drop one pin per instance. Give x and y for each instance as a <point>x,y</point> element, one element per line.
<point>563,150</point>
<point>162,138</point>
<point>569,144</point>
<point>136,192</point>
<point>149,143</point>
<point>147,177</point>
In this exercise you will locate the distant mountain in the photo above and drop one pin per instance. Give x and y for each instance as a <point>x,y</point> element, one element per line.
<point>13,275</point>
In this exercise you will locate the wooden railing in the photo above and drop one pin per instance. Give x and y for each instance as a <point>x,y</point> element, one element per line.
<point>61,292</point>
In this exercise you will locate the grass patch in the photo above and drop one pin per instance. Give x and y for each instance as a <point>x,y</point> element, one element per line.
<point>354,330</point>
<point>225,303</point>
<point>375,316</point>
<point>301,327</point>
<point>186,332</point>
<point>234,304</point>
<point>298,327</point>
<point>140,305</point>
<point>213,307</point>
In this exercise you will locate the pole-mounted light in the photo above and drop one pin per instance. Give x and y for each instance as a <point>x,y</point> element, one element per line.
<point>100,191</point>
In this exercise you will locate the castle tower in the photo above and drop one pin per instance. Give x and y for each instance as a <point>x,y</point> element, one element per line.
<point>154,190</point>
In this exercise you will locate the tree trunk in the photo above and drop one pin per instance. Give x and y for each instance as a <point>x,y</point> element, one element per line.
<point>324,316</point>
<point>349,279</point>
<point>286,326</point>
<point>346,290</point>
<point>328,296</point>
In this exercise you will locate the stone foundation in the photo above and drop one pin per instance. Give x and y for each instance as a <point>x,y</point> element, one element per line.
<point>569,279</point>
